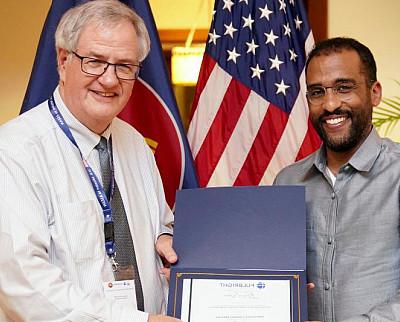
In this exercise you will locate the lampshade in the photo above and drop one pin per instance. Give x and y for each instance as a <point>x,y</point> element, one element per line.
<point>185,64</point>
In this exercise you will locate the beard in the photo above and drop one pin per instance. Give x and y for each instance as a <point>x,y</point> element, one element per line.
<point>358,131</point>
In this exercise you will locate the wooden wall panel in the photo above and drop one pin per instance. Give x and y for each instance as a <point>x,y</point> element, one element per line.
<point>317,11</point>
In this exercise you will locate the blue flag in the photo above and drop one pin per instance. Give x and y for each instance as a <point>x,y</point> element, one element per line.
<point>152,108</point>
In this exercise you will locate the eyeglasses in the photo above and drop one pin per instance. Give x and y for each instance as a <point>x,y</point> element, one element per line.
<point>97,67</point>
<point>344,91</point>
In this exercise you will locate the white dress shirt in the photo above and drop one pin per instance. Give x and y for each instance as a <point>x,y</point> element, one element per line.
<point>52,257</point>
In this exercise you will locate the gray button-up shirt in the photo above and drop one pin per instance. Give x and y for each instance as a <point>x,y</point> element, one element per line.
<point>353,242</point>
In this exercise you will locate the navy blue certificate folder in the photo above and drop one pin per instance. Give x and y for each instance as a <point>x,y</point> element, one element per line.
<point>261,228</point>
<point>241,227</point>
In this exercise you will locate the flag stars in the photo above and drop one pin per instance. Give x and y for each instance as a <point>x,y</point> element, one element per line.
<point>291,2</point>
<point>233,55</point>
<point>257,71</point>
<point>251,47</point>
<point>229,30</point>
<point>213,37</point>
<point>298,22</point>
<point>265,12</point>
<point>282,5</point>
<point>275,62</point>
<point>248,22</point>
<point>281,87</point>
<point>293,55</point>
<point>270,37</point>
<point>287,30</point>
<point>245,1</point>
<point>228,5</point>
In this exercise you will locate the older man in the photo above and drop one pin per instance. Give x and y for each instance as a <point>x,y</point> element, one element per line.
<point>352,191</point>
<point>81,201</point>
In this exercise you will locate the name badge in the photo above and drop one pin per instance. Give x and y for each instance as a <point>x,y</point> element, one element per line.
<point>121,291</point>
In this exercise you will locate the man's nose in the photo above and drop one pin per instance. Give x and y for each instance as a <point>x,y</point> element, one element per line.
<point>109,77</point>
<point>331,100</point>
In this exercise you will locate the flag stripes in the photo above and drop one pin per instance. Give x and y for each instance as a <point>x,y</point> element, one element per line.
<point>250,114</point>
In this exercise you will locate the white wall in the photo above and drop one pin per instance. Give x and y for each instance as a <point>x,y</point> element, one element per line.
<point>182,14</point>
<point>20,27</point>
<point>377,25</point>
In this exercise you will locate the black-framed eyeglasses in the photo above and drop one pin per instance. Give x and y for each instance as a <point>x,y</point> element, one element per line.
<point>343,90</point>
<point>97,67</point>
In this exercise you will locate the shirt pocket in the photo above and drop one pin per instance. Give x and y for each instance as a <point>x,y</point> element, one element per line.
<point>81,226</point>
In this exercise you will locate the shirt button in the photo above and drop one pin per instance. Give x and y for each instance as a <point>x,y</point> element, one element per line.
<point>327,286</point>
<point>333,195</point>
<point>330,241</point>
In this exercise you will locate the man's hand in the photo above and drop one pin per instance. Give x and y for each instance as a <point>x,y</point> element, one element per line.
<point>162,318</point>
<point>167,253</point>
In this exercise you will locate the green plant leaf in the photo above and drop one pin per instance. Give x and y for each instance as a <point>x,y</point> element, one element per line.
<point>388,114</point>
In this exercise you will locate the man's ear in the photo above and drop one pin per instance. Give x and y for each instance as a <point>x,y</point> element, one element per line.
<point>62,57</point>
<point>376,93</point>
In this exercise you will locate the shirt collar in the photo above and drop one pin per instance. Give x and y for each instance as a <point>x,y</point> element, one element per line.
<point>362,160</point>
<point>367,153</point>
<point>85,138</point>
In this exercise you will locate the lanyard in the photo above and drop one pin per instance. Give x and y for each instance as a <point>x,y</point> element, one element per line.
<point>96,184</point>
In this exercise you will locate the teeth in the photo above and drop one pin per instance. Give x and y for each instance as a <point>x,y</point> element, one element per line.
<point>105,94</point>
<point>335,121</point>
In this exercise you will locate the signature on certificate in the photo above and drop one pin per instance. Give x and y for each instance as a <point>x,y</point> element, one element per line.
<point>240,295</point>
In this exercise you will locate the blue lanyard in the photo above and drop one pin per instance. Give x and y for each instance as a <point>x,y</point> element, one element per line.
<point>96,184</point>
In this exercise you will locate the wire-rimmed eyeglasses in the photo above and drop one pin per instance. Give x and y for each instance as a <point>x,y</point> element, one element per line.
<point>344,91</point>
<point>97,67</point>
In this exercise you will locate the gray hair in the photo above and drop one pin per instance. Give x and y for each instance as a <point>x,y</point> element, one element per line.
<point>103,13</point>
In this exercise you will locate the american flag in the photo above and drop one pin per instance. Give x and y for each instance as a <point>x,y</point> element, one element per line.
<point>250,114</point>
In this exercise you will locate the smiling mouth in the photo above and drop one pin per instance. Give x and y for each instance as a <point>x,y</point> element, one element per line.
<point>104,94</point>
<point>336,120</point>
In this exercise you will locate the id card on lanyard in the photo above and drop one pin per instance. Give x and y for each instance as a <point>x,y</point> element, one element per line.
<point>121,291</point>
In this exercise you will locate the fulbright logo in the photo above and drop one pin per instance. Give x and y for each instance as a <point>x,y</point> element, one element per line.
<point>260,285</point>
<point>245,284</point>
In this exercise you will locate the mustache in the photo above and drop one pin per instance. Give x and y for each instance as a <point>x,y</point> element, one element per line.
<point>337,112</point>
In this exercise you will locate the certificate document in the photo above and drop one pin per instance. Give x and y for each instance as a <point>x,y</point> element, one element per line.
<point>222,300</point>
<point>242,255</point>
<point>204,295</point>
